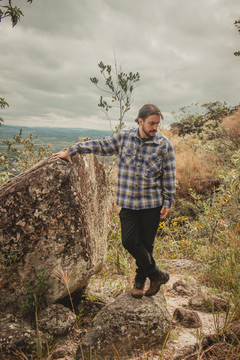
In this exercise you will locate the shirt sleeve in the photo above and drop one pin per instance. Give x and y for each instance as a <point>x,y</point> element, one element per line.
<point>105,147</point>
<point>169,177</point>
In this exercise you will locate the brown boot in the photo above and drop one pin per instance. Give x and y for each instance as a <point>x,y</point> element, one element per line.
<point>137,290</point>
<point>161,279</point>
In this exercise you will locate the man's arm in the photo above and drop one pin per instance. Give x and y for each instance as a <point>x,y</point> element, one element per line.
<point>104,147</point>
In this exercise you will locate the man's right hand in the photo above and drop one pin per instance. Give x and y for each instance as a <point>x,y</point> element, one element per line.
<point>63,155</point>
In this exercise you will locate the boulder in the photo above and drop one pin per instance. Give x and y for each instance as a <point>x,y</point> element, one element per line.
<point>187,318</point>
<point>15,333</point>
<point>54,220</point>
<point>126,324</point>
<point>56,320</point>
<point>208,303</point>
<point>185,289</point>
<point>184,351</point>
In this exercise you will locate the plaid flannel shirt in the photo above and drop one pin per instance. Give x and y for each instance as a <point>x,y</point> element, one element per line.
<point>146,170</point>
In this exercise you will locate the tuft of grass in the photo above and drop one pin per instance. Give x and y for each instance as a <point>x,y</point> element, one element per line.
<point>64,277</point>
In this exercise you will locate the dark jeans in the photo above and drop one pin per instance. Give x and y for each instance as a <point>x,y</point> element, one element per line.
<point>139,228</point>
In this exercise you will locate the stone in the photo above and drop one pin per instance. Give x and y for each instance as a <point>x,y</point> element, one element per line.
<point>128,323</point>
<point>211,339</point>
<point>188,319</point>
<point>54,216</point>
<point>184,351</point>
<point>208,303</point>
<point>185,289</point>
<point>62,352</point>
<point>15,333</point>
<point>56,319</point>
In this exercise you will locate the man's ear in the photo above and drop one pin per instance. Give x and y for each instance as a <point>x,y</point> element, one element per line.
<point>140,121</point>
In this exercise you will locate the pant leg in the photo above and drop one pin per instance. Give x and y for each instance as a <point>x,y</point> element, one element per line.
<point>149,222</point>
<point>139,228</point>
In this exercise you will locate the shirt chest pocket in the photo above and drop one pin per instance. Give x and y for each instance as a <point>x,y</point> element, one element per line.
<point>127,156</point>
<point>153,166</point>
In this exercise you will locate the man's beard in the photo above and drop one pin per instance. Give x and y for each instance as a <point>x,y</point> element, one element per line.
<point>150,134</point>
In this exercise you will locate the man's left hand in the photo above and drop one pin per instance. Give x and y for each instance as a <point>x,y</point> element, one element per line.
<point>164,212</point>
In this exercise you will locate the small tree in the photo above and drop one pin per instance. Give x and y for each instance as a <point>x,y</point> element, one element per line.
<point>3,104</point>
<point>119,86</point>
<point>11,11</point>
<point>237,24</point>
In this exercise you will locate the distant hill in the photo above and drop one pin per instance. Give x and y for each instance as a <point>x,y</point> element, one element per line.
<point>58,138</point>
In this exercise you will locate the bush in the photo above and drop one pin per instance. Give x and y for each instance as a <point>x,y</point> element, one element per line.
<point>20,155</point>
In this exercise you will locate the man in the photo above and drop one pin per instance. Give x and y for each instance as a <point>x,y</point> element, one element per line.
<point>145,190</point>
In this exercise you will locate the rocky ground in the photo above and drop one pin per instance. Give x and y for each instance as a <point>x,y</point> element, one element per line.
<point>192,317</point>
<point>180,336</point>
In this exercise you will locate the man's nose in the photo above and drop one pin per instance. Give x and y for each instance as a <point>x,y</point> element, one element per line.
<point>155,126</point>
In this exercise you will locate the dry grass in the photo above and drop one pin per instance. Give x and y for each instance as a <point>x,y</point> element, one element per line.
<point>231,125</point>
<point>198,161</point>
<point>195,168</point>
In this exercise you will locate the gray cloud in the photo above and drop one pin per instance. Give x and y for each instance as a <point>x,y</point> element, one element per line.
<point>183,50</point>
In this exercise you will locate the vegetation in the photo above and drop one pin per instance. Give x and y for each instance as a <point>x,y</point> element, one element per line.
<point>3,104</point>
<point>20,155</point>
<point>35,294</point>
<point>119,86</point>
<point>11,11</point>
<point>237,24</point>
<point>206,222</point>
<point>203,121</point>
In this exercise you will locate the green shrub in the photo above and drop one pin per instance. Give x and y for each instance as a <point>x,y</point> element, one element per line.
<point>35,293</point>
<point>20,154</point>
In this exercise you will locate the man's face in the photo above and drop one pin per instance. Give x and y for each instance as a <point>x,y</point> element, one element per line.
<point>148,128</point>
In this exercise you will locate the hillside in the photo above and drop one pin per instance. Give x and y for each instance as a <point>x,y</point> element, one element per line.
<point>58,138</point>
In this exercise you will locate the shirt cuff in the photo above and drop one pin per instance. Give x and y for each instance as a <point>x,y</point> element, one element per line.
<point>72,151</point>
<point>167,204</point>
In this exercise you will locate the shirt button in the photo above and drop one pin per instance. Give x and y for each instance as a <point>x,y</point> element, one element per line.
<point>135,185</point>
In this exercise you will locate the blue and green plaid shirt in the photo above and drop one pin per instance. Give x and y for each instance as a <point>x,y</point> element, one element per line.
<point>146,170</point>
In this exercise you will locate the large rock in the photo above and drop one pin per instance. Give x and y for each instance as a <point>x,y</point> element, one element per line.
<point>54,217</point>
<point>15,333</point>
<point>188,319</point>
<point>56,320</point>
<point>128,323</point>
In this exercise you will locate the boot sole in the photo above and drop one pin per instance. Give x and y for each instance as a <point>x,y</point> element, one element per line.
<point>137,296</point>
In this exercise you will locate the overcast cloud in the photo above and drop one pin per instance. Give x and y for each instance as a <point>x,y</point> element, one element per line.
<point>183,50</point>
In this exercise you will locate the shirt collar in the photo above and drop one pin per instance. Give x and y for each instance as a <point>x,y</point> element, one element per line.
<point>155,139</point>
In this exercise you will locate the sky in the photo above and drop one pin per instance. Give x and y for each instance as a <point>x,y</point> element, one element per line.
<point>182,49</point>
